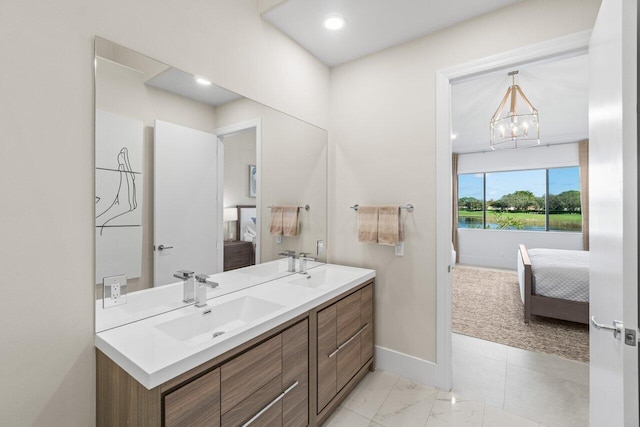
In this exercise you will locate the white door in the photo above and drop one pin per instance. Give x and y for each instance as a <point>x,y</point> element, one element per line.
<point>613,213</point>
<point>186,211</point>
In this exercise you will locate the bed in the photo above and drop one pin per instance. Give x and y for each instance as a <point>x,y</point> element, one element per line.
<point>554,283</point>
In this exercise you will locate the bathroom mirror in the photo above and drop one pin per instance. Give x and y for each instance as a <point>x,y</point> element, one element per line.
<point>186,170</point>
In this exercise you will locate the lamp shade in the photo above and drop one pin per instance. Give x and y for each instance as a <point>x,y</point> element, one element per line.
<point>230,214</point>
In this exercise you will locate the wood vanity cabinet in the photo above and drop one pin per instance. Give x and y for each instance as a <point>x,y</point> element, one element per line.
<point>292,376</point>
<point>345,343</point>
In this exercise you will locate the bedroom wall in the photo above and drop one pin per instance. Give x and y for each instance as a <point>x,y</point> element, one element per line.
<point>239,153</point>
<point>382,150</point>
<point>498,248</point>
<point>552,156</point>
<point>47,362</point>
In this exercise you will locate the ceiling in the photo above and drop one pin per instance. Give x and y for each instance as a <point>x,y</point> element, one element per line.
<point>162,76</point>
<point>558,89</point>
<point>184,84</point>
<point>371,25</point>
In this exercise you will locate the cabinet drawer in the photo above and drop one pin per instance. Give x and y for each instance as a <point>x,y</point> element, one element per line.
<point>237,250</point>
<point>295,354</point>
<point>250,371</point>
<point>252,405</point>
<point>195,404</point>
<point>348,317</point>
<point>348,362</point>
<point>327,368</point>
<point>366,318</point>
<point>237,261</point>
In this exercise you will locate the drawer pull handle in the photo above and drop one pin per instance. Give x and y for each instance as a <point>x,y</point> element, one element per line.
<point>273,402</point>
<point>349,340</point>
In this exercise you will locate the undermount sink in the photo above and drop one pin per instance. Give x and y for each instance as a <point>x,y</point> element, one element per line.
<point>214,321</point>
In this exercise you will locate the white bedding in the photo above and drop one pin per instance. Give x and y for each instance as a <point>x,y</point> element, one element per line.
<point>557,273</point>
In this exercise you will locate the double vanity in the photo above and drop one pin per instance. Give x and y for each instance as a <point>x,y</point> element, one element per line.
<point>282,352</point>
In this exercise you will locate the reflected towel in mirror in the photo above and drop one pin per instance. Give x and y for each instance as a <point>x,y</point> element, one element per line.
<point>275,227</point>
<point>290,220</point>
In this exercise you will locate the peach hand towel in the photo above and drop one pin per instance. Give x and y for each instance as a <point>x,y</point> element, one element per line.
<point>290,220</point>
<point>275,226</point>
<point>389,230</point>
<point>368,224</point>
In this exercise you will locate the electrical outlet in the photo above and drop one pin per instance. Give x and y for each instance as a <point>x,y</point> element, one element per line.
<point>400,249</point>
<point>279,240</point>
<point>114,291</point>
<point>320,247</point>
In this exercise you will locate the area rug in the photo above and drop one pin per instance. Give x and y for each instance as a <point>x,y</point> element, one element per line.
<point>486,304</point>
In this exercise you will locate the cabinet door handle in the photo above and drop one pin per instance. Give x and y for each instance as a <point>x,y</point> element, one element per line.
<point>349,340</point>
<point>273,402</point>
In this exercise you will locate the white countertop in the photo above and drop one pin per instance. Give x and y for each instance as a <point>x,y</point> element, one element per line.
<point>153,357</point>
<point>161,299</point>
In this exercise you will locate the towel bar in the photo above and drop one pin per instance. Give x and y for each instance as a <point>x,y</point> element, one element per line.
<point>305,207</point>
<point>408,207</point>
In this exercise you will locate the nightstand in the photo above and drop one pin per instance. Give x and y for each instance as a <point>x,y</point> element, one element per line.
<point>238,254</point>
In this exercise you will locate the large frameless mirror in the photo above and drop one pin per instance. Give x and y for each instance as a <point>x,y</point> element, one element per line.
<point>186,174</point>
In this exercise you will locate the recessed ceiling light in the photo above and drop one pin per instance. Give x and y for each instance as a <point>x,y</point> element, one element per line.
<point>202,81</point>
<point>333,22</point>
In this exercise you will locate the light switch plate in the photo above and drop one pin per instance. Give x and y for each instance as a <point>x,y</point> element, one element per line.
<point>319,247</point>
<point>114,291</point>
<point>279,240</point>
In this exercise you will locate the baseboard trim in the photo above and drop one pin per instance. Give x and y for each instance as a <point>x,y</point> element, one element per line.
<point>416,369</point>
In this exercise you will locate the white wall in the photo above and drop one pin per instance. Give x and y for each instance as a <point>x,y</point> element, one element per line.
<point>239,153</point>
<point>293,172</point>
<point>47,361</point>
<point>552,156</point>
<point>498,248</point>
<point>382,150</point>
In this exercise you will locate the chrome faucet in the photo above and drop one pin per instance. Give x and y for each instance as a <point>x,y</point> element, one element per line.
<point>201,289</point>
<point>188,284</point>
<point>303,262</point>
<point>292,260</point>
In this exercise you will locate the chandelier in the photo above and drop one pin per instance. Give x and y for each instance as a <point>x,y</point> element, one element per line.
<point>514,129</point>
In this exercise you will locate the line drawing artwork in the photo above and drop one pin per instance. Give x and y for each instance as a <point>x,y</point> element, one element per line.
<point>125,199</point>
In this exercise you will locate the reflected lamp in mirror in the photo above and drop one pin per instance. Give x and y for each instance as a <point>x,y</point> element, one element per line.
<point>229,214</point>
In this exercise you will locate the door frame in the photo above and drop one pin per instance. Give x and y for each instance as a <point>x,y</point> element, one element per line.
<point>226,131</point>
<point>565,46</point>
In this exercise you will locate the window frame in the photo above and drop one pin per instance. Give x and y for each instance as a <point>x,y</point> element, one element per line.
<point>546,198</point>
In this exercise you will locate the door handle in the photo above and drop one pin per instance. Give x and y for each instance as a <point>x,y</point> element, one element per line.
<point>163,247</point>
<point>617,327</point>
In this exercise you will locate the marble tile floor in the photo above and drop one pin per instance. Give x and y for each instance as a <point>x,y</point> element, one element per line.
<point>494,386</point>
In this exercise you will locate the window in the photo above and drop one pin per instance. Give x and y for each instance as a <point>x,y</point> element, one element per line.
<point>471,201</point>
<point>517,200</point>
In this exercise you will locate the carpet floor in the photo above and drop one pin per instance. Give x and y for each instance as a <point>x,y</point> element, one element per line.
<point>486,304</point>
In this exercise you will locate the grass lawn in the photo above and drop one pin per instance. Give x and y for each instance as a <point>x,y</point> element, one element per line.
<point>559,221</point>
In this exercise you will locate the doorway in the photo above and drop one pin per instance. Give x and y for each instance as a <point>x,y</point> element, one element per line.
<point>241,194</point>
<point>495,355</point>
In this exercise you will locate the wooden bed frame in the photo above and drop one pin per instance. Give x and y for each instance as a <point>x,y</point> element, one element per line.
<point>556,308</point>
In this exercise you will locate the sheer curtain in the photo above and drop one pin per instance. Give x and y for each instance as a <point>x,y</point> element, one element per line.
<point>454,199</point>
<point>583,155</point>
